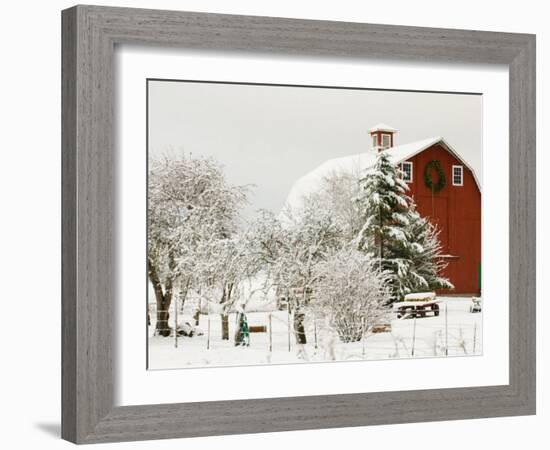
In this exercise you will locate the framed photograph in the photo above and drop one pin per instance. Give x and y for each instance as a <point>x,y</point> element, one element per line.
<point>317,253</point>
<point>322,224</point>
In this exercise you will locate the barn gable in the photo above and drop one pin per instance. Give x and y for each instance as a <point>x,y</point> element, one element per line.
<point>358,163</point>
<point>405,152</point>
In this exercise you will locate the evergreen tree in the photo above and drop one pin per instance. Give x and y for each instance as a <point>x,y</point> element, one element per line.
<point>384,205</point>
<point>425,261</point>
<point>404,243</point>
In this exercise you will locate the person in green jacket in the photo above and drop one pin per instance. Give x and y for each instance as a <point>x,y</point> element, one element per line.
<point>242,336</point>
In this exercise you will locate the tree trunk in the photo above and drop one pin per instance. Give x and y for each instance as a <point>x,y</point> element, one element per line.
<point>197,316</point>
<point>183,294</point>
<point>299,329</point>
<point>225,327</point>
<point>226,297</point>
<point>163,299</point>
<point>381,249</point>
<point>163,315</point>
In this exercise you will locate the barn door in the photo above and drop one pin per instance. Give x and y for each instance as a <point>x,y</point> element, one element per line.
<point>435,208</point>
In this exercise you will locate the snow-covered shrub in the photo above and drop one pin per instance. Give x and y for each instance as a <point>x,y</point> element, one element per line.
<point>351,292</point>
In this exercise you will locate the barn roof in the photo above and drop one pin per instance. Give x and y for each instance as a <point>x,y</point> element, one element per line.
<point>311,181</point>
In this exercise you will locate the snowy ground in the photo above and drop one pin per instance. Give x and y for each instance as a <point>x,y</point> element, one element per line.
<point>426,338</point>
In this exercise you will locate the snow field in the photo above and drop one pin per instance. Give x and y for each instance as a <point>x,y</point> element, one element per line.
<point>409,338</point>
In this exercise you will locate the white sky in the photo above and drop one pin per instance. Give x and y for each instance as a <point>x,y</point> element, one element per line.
<point>269,136</point>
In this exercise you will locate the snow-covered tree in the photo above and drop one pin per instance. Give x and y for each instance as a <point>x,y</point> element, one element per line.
<point>384,205</point>
<point>337,194</point>
<point>426,262</point>
<point>404,243</point>
<point>223,267</point>
<point>289,251</point>
<point>351,292</point>
<point>190,205</point>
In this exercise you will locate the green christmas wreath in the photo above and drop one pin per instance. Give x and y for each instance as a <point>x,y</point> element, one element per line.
<point>440,184</point>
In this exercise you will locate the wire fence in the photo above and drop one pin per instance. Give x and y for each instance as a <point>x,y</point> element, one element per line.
<point>276,331</point>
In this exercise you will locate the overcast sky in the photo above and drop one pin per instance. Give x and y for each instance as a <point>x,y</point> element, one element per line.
<point>269,136</point>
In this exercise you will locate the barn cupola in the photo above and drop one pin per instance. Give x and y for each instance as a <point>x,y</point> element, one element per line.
<point>382,137</point>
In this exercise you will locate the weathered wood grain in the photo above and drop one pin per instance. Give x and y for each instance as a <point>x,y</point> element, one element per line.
<point>89,36</point>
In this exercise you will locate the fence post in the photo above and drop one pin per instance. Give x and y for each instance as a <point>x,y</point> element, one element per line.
<point>270,335</point>
<point>288,326</point>
<point>363,337</point>
<point>475,335</point>
<point>208,333</point>
<point>315,329</point>
<point>414,336</point>
<point>446,328</point>
<point>176,322</point>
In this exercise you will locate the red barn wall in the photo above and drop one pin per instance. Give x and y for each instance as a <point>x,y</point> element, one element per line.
<point>456,210</point>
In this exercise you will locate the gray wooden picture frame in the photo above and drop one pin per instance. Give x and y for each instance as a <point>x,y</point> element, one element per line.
<point>90,34</point>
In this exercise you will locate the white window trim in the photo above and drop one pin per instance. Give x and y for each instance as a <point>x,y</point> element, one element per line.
<point>409,163</point>
<point>461,175</point>
<point>388,135</point>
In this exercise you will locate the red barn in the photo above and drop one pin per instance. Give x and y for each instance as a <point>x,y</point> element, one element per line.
<point>446,191</point>
<point>444,187</point>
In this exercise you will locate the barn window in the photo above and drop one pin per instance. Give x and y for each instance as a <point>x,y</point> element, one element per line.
<point>458,175</point>
<point>386,141</point>
<point>374,141</point>
<point>407,171</point>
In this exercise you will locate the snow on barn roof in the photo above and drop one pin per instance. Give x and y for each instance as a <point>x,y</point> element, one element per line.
<point>355,164</point>
<point>382,127</point>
